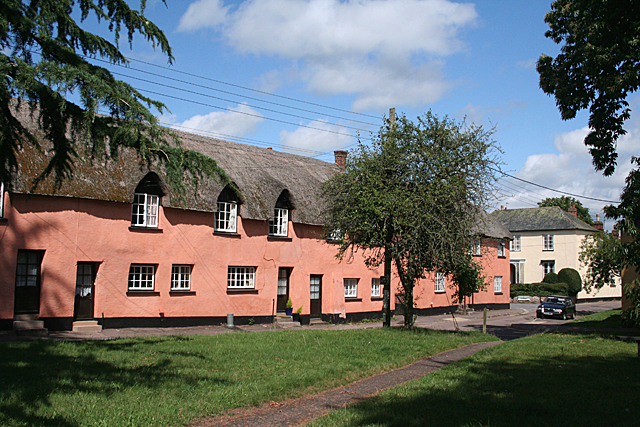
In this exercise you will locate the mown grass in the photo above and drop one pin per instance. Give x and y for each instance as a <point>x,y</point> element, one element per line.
<point>547,379</point>
<point>171,381</point>
<point>604,319</point>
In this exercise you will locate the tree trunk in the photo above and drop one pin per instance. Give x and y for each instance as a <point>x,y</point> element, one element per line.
<point>408,305</point>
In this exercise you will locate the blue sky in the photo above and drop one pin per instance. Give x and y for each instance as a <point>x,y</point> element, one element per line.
<point>461,59</point>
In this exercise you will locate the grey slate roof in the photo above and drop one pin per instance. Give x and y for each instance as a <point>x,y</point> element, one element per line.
<point>540,219</point>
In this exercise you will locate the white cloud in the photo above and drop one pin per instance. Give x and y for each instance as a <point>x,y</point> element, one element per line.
<point>490,116</point>
<point>323,137</point>
<point>240,121</point>
<point>386,52</point>
<point>203,13</point>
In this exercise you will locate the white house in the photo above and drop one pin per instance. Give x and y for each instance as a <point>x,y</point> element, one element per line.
<point>547,240</point>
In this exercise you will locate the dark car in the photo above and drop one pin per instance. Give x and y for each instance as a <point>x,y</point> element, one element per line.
<point>557,306</point>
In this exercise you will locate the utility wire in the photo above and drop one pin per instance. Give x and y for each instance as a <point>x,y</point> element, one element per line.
<point>227,100</point>
<point>553,189</point>
<point>229,93</point>
<point>252,90</point>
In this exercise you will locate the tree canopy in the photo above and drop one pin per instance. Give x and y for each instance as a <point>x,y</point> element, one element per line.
<point>414,195</point>
<point>45,61</point>
<point>565,202</point>
<point>598,67</point>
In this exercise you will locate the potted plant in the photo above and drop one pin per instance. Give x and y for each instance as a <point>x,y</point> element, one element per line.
<point>289,307</point>
<point>296,315</point>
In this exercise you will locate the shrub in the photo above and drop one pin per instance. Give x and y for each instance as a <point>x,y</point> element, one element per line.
<point>550,278</point>
<point>573,280</point>
<point>538,289</point>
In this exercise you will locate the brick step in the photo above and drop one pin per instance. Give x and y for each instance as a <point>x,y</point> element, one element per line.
<point>86,326</point>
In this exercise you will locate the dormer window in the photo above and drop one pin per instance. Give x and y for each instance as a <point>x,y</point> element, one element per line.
<point>227,214</point>
<point>146,202</point>
<point>279,225</point>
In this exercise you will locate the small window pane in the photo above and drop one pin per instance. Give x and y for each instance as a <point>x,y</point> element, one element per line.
<point>439,283</point>
<point>350,288</point>
<point>375,287</point>
<point>181,277</point>
<point>241,277</point>
<point>497,284</point>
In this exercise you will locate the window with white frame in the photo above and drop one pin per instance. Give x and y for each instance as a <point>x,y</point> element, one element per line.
<point>144,211</point>
<point>226,217</point>
<point>497,284</point>
<point>180,277</point>
<point>241,277</point>
<point>514,245</point>
<point>375,287</point>
<point>501,248</point>
<point>439,283</point>
<point>142,277</point>
<point>547,242</point>
<point>517,271</point>
<point>351,288</point>
<point>477,247</point>
<point>548,267</point>
<point>1,199</point>
<point>279,225</point>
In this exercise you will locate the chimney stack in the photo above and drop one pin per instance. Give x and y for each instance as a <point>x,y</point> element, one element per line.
<point>597,224</point>
<point>573,211</point>
<point>341,158</point>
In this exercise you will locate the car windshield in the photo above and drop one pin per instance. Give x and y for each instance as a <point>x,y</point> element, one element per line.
<point>552,300</point>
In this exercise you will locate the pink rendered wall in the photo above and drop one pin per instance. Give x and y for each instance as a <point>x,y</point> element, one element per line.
<point>74,230</point>
<point>492,266</point>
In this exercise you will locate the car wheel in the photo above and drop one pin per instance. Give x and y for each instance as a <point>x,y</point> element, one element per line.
<point>564,316</point>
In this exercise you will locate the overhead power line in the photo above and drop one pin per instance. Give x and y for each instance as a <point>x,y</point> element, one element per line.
<point>250,89</point>
<point>554,190</point>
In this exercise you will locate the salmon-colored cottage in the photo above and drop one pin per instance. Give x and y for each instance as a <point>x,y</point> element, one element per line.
<point>117,245</point>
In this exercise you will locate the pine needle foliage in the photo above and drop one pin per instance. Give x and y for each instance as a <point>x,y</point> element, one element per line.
<point>46,69</point>
<point>414,193</point>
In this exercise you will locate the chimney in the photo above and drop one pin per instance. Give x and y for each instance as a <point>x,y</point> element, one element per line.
<point>615,232</point>
<point>597,224</point>
<point>341,158</point>
<point>573,211</point>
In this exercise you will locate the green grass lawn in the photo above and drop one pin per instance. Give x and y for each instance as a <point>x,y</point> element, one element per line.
<point>171,381</point>
<point>542,380</point>
<point>604,319</point>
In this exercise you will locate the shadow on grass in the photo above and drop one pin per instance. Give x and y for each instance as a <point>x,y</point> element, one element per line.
<point>30,373</point>
<point>532,383</point>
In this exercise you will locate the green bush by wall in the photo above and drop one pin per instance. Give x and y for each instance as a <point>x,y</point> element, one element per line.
<point>550,278</point>
<point>572,278</point>
<point>539,289</point>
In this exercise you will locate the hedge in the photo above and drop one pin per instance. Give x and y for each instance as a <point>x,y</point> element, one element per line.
<point>539,289</point>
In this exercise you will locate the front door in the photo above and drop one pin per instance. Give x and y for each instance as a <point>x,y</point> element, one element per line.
<point>283,287</point>
<point>316,295</point>
<point>85,289</point>
<point>27,296</point>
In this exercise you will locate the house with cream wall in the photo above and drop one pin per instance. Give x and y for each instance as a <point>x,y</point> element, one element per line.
<point>548,239</point>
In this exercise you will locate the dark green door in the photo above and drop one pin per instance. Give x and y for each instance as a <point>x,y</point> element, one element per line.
<point>27,296</point>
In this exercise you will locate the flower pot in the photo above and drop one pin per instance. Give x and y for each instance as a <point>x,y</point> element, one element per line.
<point>288,311</point>
<point>296,317</point>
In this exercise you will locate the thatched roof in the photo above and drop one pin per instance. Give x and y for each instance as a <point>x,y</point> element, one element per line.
<point>260,174</point>
<point>540,219</point>
<point>488,226</point>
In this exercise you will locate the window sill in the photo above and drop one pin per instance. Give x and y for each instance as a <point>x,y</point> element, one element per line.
<point>145,229</point>
<point>376,298</point>
<point>279,239</point>
<point>477,255</point>
<point>226,233</point>
<point>439,292</point>
<point>547,250</point>
<point>3,220</point>
<point>502,257</point>
<point>178,292</point>
<point>497,293</point>
<point>350,299</point>
<point>242,291</point>
<point>141,293</point>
